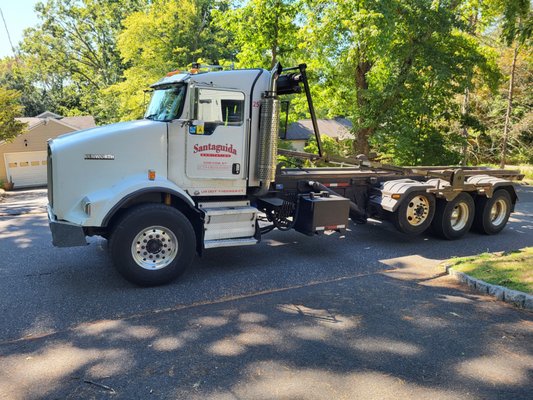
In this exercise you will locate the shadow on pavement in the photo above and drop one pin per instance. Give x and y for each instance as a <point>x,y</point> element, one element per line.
<point>369,337</point>
<point>372,319</point>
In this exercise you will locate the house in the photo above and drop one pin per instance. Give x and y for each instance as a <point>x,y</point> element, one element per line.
<point>23,160</point>
<point>298,133</point>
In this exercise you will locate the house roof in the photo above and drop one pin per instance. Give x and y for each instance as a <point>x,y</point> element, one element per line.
<point>77,123</point>
<point>81,121</point>
<point>337,128</point>
<point>49,114</point>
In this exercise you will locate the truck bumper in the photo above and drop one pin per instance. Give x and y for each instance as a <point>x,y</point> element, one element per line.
<point>65,234</point>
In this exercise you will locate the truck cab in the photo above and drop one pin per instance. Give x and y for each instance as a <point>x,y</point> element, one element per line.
<point>192,152</point>
<point>194,141</point>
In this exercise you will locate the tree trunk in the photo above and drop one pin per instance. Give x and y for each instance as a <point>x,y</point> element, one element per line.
<point>464,159</point>
<point>274,58</point>
<point>361,145</point>
<point>506,127</point>
<point>472,25</point>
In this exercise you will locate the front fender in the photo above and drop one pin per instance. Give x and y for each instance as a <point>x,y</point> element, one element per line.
<point>103,203</point>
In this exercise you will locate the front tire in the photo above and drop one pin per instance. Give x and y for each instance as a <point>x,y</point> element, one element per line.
<point>152,244</point>
<point>453,218</point>
<point>492,214</point>
<point>415,213</point>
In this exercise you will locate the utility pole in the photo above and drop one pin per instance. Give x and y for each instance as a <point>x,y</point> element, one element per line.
<point>8,36</point>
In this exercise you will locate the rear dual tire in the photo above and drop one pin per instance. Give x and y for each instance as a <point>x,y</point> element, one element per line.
<point>415,213</point>
<point>453,218</point>
<point>492,213</point>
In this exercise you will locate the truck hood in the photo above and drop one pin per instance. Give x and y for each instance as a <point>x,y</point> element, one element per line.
<point>102,132</point>
<point>86,161</point>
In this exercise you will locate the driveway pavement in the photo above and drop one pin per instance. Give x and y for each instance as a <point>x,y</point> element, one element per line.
<point>365,316</point>
<point>21,202</point>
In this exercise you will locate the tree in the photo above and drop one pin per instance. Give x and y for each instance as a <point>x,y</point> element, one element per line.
<point>394,68</point>
<point>16,75</point>
<point>516,31</point>
<point>470,12</point>
<point>73,52</point>
<point>167,36</point>
<point>10,108</point>
<point>263,31</point>
<point>489,109</point>
<point>330,146</point>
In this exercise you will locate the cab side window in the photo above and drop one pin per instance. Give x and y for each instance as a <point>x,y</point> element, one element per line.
<point>219,108</point>
<point>232,111</point>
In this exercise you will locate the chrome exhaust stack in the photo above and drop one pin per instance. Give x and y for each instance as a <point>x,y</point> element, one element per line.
<point>268,134</point>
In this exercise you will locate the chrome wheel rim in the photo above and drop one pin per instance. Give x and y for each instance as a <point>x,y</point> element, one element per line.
<point>154,248</point>
<point>459,217</point>
<point>498,212</point>
<point>418,210</point>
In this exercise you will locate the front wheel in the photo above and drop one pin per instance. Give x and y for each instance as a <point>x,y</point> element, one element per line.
<point>152,244</point>
<point>415,213</point>
<point>492,214</point>
<point>453,218</point>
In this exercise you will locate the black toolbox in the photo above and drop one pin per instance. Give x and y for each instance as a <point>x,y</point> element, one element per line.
<point>318,212</point>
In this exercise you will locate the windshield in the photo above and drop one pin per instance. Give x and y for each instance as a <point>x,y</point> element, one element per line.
<point>167,103</point>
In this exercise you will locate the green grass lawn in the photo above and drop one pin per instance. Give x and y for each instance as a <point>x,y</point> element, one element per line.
<point>513,269</point>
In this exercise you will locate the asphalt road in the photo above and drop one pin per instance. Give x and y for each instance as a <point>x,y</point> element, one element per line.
<point>367,315</point>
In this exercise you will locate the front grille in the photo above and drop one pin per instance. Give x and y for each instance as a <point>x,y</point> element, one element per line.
<point>49,176</point>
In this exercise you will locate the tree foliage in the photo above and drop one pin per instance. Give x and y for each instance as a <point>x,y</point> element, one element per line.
<point>17,75</point>
<point>489,110</point>
<point>517,20</point>
<point>421,81</point>
<point>73,52</point>
<point>262,31</point>
<point>10,108</point>
<point>397,75</point>
<point>167,36</point>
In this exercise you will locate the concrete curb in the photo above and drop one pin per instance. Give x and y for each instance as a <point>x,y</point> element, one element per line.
<point>514,297</point>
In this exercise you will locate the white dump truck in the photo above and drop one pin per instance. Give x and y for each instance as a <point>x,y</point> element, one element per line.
<point>200,171</point>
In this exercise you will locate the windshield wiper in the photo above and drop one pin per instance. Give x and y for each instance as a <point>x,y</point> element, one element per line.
<point>152,116</point>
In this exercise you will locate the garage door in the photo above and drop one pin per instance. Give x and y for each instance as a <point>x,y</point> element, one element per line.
<point>26,169</point>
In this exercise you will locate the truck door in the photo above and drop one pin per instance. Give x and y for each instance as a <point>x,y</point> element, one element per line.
<point>216,139</point>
